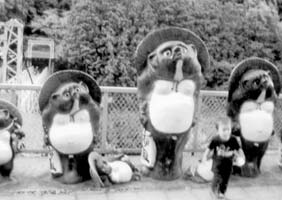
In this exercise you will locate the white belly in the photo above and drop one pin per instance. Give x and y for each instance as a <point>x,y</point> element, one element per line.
<point>5,148</point>
<point>170,110</point>
<point>71,137</point>
<point>171,113</point>
<point>256,125</point>
<point>121,172</point>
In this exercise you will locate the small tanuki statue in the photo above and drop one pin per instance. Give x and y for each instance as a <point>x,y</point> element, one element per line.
<point>253,89</point>
<point>10,135</point>
<point>69,102</point>
<point>169,64</point>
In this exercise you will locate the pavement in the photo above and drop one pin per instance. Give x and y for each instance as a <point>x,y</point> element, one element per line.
<point>31,180</point>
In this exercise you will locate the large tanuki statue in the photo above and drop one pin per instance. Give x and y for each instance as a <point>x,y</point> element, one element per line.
<point>69,103</point>
<point>10,135</point>
<point>253,89</point>
<point>169,64</point>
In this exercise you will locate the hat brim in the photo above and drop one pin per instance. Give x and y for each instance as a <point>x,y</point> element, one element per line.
<point>154,39</point>
<point>251,64</point>
<point>67,76</point>
<point>13,110</point>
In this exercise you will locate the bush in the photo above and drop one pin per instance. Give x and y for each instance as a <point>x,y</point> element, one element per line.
<point>102,35</point>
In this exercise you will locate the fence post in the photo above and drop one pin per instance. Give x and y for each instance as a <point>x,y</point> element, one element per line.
<point>14,98</point>
<point>196,130</point>
<point>104,121</point>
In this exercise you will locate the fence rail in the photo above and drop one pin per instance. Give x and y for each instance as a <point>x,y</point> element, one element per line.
<point>120,129</point>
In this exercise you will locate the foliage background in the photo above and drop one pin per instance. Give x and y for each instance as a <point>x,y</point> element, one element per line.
<point>100,37</point>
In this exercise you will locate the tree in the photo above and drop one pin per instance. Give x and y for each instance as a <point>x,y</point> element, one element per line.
<point>103,36</point>
<point>19,9</point>
<point>268,13</point>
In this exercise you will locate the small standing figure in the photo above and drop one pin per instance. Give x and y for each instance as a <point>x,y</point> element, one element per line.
<point>223,149</point>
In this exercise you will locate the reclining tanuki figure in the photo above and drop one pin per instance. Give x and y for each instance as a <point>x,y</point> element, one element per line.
<point>118,169</point>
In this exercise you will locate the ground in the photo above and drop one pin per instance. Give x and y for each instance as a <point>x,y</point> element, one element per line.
<point>31,180</point>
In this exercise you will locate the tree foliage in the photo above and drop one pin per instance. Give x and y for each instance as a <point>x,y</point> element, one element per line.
<point>101,36</point>
<point>19,9</point>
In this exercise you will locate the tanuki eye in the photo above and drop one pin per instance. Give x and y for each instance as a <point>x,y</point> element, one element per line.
<point>67,94</point>
<point>184,50</point>
<point>167,53</point>
<point>257,81</point>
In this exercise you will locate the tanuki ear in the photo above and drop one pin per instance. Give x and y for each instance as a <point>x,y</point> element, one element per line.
<point>152,60</point>
<point>151,56</point>
<point>4,113</point>
<point>193,47</point>
<point>84,86</point>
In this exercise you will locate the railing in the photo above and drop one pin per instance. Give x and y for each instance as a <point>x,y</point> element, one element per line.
<point>120,129</point>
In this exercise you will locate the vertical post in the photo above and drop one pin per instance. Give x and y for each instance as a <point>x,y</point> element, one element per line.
<point>50,70</point>
<point>14,97</point>
<point>196,129</point>
<point>5,53</point>
<point>104,119</point>
<point>19,51</point>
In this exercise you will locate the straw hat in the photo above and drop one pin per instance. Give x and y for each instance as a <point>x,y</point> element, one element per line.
<point>155,38</point>
<point>66,76</point>
<point>13,110</point>
<point>251,64</point>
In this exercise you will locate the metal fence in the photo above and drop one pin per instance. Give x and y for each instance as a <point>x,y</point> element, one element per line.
<point>120,129</point>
